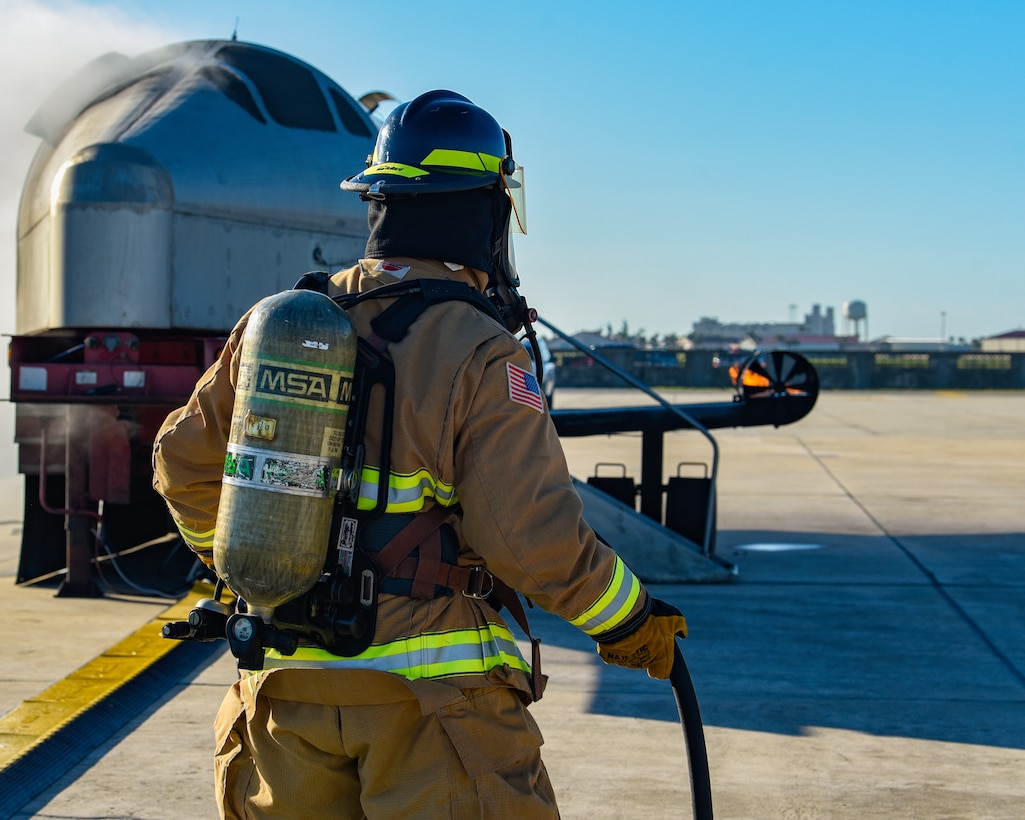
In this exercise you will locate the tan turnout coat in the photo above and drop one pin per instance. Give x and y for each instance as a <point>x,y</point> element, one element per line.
<point>458,429</point>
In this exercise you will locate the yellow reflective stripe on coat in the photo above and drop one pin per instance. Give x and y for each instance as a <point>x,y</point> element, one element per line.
<point>406,493</point>
<point>615,603</point>
<point>471,651</point>
<point>199,541</point>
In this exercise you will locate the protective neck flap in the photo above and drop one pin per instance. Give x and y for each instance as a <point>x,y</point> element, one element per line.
<point>452,227</point>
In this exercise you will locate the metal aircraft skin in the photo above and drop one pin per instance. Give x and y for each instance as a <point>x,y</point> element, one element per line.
<point>173,189</point>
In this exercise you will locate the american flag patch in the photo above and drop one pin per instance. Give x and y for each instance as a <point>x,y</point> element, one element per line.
<point>523,387</point>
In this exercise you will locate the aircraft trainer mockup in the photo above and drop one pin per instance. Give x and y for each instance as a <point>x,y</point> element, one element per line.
<point>169,193</point>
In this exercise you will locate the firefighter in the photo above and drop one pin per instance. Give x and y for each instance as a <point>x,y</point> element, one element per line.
<point>431,719</point>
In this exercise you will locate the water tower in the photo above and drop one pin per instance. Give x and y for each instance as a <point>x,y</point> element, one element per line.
<point>857,312</point>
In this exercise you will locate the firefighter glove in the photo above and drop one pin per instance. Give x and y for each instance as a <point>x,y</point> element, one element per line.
<point>647,641</point>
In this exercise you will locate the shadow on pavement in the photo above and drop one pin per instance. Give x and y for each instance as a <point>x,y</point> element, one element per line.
<point>916,637</point>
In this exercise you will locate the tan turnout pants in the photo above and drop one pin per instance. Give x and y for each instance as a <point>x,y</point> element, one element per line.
<point>381,747</point>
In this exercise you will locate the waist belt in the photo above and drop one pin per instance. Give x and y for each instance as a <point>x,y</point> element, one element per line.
<point>416,554</point>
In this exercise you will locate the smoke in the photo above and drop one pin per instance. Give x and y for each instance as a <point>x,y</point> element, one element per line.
<point>42,44</point>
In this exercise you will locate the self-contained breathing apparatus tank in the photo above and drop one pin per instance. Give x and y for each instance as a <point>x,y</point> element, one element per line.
<point>298,354</point>
<point>286,540</point>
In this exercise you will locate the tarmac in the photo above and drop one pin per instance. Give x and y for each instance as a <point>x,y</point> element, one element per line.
<point>867,660</point>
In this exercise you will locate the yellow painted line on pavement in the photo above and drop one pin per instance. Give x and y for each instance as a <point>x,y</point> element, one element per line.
<point>41,716</point>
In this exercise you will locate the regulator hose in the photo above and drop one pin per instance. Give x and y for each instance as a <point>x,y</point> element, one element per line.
<point>694,735</point>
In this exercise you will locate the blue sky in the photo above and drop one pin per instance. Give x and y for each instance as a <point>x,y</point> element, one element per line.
<point>742,160</point>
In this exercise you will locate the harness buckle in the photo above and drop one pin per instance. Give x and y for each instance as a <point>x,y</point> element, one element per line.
<point>481,583</point>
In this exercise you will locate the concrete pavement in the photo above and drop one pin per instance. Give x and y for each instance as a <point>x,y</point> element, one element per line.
<point>868,660</point>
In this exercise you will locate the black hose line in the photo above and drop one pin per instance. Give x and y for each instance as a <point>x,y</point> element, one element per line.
<point>694,735</point>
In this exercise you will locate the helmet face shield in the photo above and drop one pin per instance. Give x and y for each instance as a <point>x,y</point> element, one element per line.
<point>508,260</point>
<point>515,187</point>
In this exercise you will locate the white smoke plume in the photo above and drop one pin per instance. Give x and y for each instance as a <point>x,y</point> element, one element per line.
<point>42,43</point>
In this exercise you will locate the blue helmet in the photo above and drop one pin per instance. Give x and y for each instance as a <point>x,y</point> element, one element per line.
<point>438,142</point>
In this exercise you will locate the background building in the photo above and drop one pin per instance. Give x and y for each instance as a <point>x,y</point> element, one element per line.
<point>1011,342</point>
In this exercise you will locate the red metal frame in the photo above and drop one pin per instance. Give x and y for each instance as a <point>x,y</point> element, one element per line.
<point>97,396</point>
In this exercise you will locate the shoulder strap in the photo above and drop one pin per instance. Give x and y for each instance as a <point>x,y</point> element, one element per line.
<point>413,299</point>
<point>374,368</point>
<point>313,280</point>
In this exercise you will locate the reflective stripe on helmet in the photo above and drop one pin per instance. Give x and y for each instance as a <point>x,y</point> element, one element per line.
<point>396,168</point>
<point>406,493</point>
<point>615,603</point>
<point>430,655</point>
<point>468,160</point>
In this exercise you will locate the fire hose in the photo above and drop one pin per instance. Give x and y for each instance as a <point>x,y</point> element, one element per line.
<point>694,736</point>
